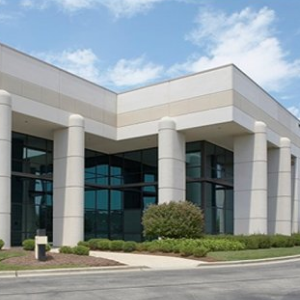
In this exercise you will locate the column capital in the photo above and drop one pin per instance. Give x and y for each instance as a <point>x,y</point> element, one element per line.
<point>285,142</point>
<point>166,123</point>
<point>76,120</point>
<point>260,127</point>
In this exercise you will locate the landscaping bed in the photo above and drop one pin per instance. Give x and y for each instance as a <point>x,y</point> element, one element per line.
<point>26,260</point>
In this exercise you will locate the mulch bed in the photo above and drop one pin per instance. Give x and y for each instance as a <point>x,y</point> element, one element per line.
<point>58,259</point>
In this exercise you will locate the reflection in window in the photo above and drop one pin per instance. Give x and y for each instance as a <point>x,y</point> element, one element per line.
<point>209,175</point>
<point>120,186</point>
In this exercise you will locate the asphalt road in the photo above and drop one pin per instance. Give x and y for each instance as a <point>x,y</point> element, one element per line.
<point>267,281</point>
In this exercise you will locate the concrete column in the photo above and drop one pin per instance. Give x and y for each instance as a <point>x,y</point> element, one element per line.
<point>68,183</point>
<point>5,167</point>
<point>295,194</point>
<point>279,189</point>
<point>250,182</point>
<point>171,162</point>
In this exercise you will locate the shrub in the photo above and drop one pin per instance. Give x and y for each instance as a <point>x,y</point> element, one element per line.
<point>279,241</point>
<point>295,237</point>
<point>93,243</point>
<point>28,244</point>
<point>83,243</point>
<point>153,247</point>
<point>129,246</point>
<point>143,246</point>
<point>66,250</point>
<point>1,244</point>
<point>256,241</point>
<point>166,246</point>
<point>173,220</point>
<point>81,250</point>
<point>116,245</point>
<point>186,250</point>
<point>220,244</point>
<point>103,244</point>
<point>200,251</point>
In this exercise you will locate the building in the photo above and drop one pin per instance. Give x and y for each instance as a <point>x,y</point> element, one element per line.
<point>83,161</point>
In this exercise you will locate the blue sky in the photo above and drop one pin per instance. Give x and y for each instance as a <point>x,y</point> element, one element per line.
<point>123,44</point>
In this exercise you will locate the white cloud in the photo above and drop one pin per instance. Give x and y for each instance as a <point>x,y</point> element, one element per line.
<point>119,8</point>
<point>247,39</point>
<point>295,110</point>
<point>133,72</point>
<point>81,62</point>
<point>74,5</point>
<point>2,2</point>
<point>8,18</point>
<point>84,63</point>
<point>38,4</point>
<point>129,8</point>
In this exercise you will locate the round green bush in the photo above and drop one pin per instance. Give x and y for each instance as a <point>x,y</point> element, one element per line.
<point>200,251</point>
<point>173,220</point>
<point>1,244</point>
<point>81,250</point>
<point>28,244</point>
<point>66,250</point>
<point>103,244</point>
<point>83,243</point>
<point>116,245</point>
<point>93,244</point>
<point>129,246</point>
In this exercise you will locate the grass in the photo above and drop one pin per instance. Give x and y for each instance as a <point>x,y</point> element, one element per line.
<point>4,267</point>
<point>254,254</point>
<point>8,254</point>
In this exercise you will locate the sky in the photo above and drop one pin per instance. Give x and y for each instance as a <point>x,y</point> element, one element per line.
<point>125,44</point>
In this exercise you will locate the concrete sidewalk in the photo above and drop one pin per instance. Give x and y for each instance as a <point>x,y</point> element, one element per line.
<point>155,262</point>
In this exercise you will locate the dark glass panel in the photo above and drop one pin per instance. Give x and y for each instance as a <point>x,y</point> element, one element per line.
<point>132,221</point>
<point>90,199</point>
<point>120,170</point>
<point>36,143</point>
<point>116,177</point>
<point>31,208</point>
<point>193,173</point>
<point>101,221</point>
<point>116,222</point>
<point>193,192</point>
<point>102,199</point>
<point>116,200</point>
<point>132,199</point>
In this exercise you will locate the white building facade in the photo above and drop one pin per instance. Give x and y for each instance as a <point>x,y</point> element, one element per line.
<point>82,161</point>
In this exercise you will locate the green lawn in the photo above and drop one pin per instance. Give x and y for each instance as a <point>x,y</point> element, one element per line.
<point>253,254</point>
<point>7,254</point>
<point>5,267</point>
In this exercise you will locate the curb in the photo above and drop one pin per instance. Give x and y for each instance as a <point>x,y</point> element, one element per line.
<point>70,271</point>
<point>249,261</point>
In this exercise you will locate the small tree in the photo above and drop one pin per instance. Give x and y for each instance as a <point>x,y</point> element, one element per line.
<point>173,220</point>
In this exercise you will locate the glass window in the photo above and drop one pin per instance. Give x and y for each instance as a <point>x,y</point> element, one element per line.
<point>193,192</point>
<point>132,199</point>
<point>102,199</point>
<point>120,179</point>
<point>116,200</point>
